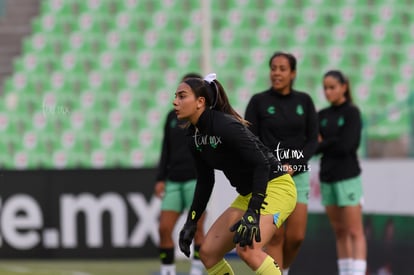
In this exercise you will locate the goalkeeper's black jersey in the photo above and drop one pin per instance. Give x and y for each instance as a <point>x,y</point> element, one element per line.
<point>287,124</point>
<point>219,141</point>
<point>176,163</point>
<point>340,128</point>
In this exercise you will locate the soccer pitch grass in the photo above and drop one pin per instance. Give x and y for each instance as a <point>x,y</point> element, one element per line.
<point>99,267</point>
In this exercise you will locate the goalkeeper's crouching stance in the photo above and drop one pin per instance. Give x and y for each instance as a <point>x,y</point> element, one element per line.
<point>249,224</point>
<point>219,139</point>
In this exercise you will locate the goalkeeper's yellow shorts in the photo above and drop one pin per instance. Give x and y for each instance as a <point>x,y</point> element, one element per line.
<point>280,197</point>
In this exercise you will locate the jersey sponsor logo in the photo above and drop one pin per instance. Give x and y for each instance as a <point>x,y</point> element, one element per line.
<point>299,110</point>
<point>282,153</point>
<point>271,110</point>
<point>202,140</point>
<point>341,121</point>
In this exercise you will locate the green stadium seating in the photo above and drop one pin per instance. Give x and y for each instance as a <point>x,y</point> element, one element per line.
<point>57,7</point>
<point>97,77</point>
<point>94,6</point>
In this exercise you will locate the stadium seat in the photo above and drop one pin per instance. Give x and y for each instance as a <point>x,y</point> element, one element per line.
<point>56,7</point>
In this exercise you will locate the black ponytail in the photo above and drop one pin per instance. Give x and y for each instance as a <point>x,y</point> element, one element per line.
<point>216,97</point>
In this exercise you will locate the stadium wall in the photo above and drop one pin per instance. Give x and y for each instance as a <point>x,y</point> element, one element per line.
<point>78,214</point>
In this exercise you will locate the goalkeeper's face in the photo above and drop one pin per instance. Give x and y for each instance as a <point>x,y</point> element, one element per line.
<point>186,105</point>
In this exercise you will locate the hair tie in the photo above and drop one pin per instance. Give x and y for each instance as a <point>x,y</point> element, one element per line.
<point>210,78</point>
<point>214,94</point>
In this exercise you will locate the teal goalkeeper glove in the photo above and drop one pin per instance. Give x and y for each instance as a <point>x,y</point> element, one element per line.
<point>248,227</point>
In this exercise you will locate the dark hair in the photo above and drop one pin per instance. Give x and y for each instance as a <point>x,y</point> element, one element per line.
<point>191,75</point>
<point>338,75</point>
<point>290,57</point>
<point>216,97</point>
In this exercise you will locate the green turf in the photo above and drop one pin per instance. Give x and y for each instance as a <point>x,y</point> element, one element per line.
<point>103,267</point>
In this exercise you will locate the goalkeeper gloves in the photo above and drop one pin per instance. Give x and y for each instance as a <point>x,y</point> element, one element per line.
<point>186,237</point>
<point>248,227</point>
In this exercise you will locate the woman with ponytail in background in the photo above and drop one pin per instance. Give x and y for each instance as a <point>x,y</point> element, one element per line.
<point>219,139</point>
<point>341,188</point>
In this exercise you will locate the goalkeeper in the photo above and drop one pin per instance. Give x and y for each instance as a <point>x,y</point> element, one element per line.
<point>219,139</point>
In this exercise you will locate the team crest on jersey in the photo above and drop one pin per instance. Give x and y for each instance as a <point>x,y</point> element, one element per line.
<point>271,110</point>
<point>341,121</point>
<point>299,110</point>
<point>324,122</point>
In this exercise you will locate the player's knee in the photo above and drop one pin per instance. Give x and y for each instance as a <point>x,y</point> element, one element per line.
<point>356,232</point>
<point>341,231</point>
<point>208,257</point>
<point>295,241</point>
<point>295,236</point>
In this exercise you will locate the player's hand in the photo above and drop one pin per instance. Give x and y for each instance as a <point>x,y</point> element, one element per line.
<point>159,189</point>
<point>186,237</point>
<point>247,228</point>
